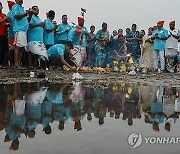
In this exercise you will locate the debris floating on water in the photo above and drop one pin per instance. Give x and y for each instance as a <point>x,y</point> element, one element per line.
<point>76,76</point>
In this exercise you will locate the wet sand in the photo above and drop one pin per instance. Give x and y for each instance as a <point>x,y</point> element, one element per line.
<point>10,76</point>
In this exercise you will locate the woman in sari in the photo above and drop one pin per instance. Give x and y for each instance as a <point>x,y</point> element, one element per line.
<point>119,50</point>
<point>110,50</point>
<point>133,38</point>
<point>101,45</point>
<point>146,58</point>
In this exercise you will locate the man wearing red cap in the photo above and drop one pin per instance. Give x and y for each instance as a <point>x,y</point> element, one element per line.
<point>77,35</point>
<point>171,51</point>
<point>159,36</point>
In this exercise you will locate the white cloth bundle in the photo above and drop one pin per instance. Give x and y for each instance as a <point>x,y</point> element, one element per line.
<point>37,48</point>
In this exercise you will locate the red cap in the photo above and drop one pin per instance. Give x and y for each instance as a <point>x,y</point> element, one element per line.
<point>78,30</point>
<point>160,22</point>
<point>10,3</point>
<point>172,23</point>
<point>80,19</point>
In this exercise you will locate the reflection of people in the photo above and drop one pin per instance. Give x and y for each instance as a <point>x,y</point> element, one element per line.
<point>130,106</point>
<point>61,125</point>
<point>177,105</point>
<point>3,101</point>
<point>102,113</point>
<point>77,122</point>
<point>77,94</point>
<point>34,101</point>
<point>168,105</point>
<point>88,103</point>
<point>156,127</point>
<point>156,115</point>
<point>17,123</point>
<point>145,96</point>
<point>2,118</point>
<point>47,129</point>
<point>46,115</point>
<point>51,106</point>
<point>14,145</point>
<point>156,104</point>
<point>130,120</point>
<point>89,117</point>
<point>167,126</point>
<point>58,108</point>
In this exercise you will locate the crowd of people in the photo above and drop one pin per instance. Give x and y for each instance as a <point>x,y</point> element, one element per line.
<point>28,41</point>
<point>25,106</point>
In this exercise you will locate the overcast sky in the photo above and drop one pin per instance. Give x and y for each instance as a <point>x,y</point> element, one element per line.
<point>117,13</point>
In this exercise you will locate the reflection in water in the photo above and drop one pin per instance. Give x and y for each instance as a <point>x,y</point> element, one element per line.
<point>25,106</point>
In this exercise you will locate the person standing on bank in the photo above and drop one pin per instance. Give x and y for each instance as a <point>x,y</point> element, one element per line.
<point>49,29</point>
<point>101,45</point>
<point>3,36</point>
<point>171,52</point>
<point>63,29</point>
<point>146,58</point>
<point>20,27</point>
<point>35,44</point>
<point>91,39</point>
<point>159,36</point>
<point>10,54</point>
<point>77,36</point>
<point>134,39</point>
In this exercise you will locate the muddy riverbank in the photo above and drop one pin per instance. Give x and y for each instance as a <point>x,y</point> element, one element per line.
<point>9,76</point>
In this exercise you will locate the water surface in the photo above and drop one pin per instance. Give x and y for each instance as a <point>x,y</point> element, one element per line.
<point>82,118</point>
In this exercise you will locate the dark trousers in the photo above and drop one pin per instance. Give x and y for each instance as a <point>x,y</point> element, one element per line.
<point>55,60</point>
<point>3,49</point>
<point>48,46</point>
<point>90,57</point>
<point>61,42</point>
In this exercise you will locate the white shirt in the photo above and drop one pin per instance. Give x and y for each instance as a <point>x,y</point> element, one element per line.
<point>177,104</point>
<point>19,107</point>
<point>36,97</point>
<point>168,105</point>
<point>172,43</point>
